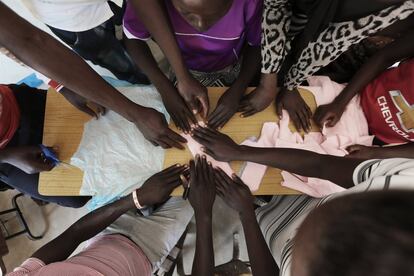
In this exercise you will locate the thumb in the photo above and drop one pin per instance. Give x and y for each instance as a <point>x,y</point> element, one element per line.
<point>205,105</point>
<point>354,148</point>
<point>86,109</point>
<point>279,108</point>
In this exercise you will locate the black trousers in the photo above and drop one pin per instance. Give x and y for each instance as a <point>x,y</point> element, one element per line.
<point>30,132</point>
<point>100,46</point>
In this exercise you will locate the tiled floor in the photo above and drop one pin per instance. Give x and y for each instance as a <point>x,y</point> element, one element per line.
<point>52,220</point>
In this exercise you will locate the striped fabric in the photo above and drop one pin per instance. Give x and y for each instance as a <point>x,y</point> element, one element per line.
<point>280,219</point>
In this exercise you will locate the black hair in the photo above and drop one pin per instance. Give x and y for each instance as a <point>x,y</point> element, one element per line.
<point>366,234</point>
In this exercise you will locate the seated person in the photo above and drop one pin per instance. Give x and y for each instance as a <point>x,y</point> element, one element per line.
<point>220,45</point>
<point>22,112</point>
<point>387,99</point>
<point>120,242</point>
<point>283,215</point>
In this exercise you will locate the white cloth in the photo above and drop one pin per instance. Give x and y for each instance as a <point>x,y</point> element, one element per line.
<point>113,153</point>
<point>71,15</point>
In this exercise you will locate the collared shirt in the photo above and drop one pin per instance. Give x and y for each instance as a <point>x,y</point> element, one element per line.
<point>214,49</point>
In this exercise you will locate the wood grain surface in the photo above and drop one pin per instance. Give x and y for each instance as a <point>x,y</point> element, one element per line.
<point>64,127</point>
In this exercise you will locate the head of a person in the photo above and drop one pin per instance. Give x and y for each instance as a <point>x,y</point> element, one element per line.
<point>358,235</point>
<point>202,14</point>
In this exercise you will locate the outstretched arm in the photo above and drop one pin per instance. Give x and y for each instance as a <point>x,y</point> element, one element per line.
<point>396,51</point>
<point>237,195</point>
<point>48,56</point>
<point>155,190</point>
<point>365,152</point>
<point>339,170</point>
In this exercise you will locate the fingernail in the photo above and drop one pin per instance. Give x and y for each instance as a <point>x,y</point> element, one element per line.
<point>194,111</point>
<point>209,163</point>
<point>241,115</point>
<point>185,166</point>
<point>204,157</point>
<point>178,165</point>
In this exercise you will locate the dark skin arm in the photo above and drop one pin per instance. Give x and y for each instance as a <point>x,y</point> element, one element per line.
<point>396,51</point>
<point>202,196</point>
<point>228,103</point>
<point>339,170</point>
<point>155,190</point>
<point>190,89</point>
<point>238,196</point>
<point>142,56</point>
<point>365,152</point>
<point>27,158</point>
<point>28,44</point>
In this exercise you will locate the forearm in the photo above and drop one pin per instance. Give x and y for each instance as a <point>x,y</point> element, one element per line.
<point>204,254</point>
<point>250,66</point>
<point>261,259</point>
<point>48,56</point>
<point>142,56</point>
<point>161,31</point>
<point>339,170</point>
<point>400,151</point>
<point>85,228</point>
<point>396,51</point>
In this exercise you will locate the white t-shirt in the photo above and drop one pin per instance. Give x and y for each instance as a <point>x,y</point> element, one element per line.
<point>280,219</point>
<point>71,15</point>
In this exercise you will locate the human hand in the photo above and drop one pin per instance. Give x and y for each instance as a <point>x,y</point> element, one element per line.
<point>329,114</point>
<point>158,187</point>
<point>195,95</point>
<point>299,111</point>
<point>362,152</point>
<point>155,129</point>
<point>234,192</point>
<point>202,186</point>
<point>83,104</point>
<point>178,110</point>
<point>226,107</point>
<point>257,100</point>
<point>216,144</point>
<point>29,159</point>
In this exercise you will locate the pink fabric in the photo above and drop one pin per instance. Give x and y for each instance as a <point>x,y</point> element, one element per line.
<point>105,255</point>
<point>351,129</point>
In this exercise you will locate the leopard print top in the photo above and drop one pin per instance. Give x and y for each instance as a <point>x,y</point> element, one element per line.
<point>331,43</point>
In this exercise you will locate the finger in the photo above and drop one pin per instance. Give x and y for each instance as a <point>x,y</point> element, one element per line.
<point>185,120</point>
<point>176,122</point>
<point>248,113</point>
<point>224,176</point>
<point>205,141</point>
<point>305,120</point>
<point>172,143</point>
<point>190,116</point>
<point>296,121</point>
<point>101,110</point>
<point>353,148</point>
<point>192,170</point>
<point>210,172</point>
<point>170,168</point>
<point>279,109</point>
<point>163,144</point>
<point>204,167</point>
<point>179,122</point>
<point>176,137</point>
<point>238,180</point>
<point>205,132</point>
<point>87,110</point>
<point>208,152</point>
<point>154,143</point>
<point>333,121</point>
<point>174,171</point>
<point>215,117</point>
<point>205,105</point>
<point>223,120</point>
<point>244,106</point>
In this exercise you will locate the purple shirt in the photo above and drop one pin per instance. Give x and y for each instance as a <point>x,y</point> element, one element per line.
<point>215,48</point>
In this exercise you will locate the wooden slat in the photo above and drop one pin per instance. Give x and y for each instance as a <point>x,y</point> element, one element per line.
<point>64,127</point>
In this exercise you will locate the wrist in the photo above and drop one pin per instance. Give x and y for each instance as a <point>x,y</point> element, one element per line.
<point>132,111</point>
<point>268,81</point>
<point>247,215</point>
<point>128,202</point>
<point>204,215</point>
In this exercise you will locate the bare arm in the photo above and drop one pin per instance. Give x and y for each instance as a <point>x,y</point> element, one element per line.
<point>339,170</point>
<point>48,56</point>
<point>155,190</point>
<point>396,51</point>
<point>364,152</point>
